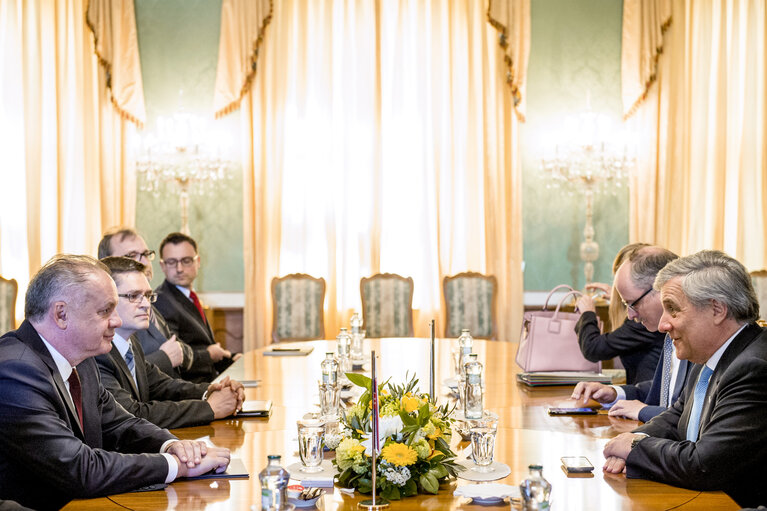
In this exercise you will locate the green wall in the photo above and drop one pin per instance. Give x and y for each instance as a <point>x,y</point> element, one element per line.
<point>575,53</point>
<point>178,41</point>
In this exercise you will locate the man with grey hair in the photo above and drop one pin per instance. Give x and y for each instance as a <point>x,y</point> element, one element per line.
<point>714,437</point>
<point>644,400</point>
<point>173,356</point>
<point>61,429</point>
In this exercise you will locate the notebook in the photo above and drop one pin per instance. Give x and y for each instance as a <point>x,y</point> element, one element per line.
<point>256,408</point>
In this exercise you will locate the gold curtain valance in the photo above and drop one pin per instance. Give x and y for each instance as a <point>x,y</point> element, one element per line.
<point>243,24</point>
<point>511,18</point>
<point>644,24</point>
<point>113,25</point>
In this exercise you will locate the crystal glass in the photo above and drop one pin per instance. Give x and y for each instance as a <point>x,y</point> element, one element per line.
<point>483,432</point>
<point>329,399</point>
<point>535,490</point>
<point>311,433</point>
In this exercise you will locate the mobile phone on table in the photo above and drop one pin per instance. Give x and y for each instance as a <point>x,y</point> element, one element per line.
<point>576,464</point>
<point>572,411</point>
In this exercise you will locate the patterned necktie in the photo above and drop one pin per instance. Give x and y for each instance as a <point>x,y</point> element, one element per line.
<point>665,388</point>
<point>130,362</point>
<point>76,391</point>
<point>196,302</point>
<point>697,404</point>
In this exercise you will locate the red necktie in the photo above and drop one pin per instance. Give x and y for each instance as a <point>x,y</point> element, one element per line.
<point>196,302</point>
<point>77,394</point>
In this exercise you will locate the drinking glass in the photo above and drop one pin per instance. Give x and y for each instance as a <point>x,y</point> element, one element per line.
<point>329,399</point>
<point>310,436</point>
<point>483,433</point>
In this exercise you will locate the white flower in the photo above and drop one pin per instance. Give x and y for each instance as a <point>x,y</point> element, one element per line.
<point>397,476</point>
<point>387,426</point>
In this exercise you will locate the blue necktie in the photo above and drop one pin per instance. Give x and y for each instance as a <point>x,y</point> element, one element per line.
<point>665,388</point>
<point>697,405</point>
<point>130,362</point>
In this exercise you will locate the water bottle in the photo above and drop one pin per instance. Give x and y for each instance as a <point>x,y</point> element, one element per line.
<point>356,323</point>
<point>274,485</point>
<point>465,344</point>
<point>356,347</point>
<point>329,369</point>
<point>344,352</point>
<point>535,490</point>
<point>472,408</point>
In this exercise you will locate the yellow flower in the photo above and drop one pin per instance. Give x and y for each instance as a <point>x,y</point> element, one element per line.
<point>434,435</point>
<point>399,454</point>
<point>410,404</point>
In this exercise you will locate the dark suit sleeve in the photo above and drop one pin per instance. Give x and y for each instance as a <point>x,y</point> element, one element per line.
<point>596,346</point>
<point>172,403</point>
<point>36,435</point>
<point>160,359</point>
<point>650,411</point>
<point>638,391</point>
<point>735,434</point>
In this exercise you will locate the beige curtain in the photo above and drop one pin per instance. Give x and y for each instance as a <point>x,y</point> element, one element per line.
<point>64,125</point>
<point>702,130</point>
<point>381,137</point>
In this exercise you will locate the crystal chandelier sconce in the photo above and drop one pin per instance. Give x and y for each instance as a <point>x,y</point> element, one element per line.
<point>179,158</point>
<point>589,159</point>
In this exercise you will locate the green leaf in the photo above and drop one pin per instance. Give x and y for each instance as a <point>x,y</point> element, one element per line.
<point>441,445</point>
<point>410,488</point>
<point>407,420</point>
<point>437,459</point>
<point>391,493</point>
<point>438,471</point>
<point>429,483</point>
<point>360,380</point>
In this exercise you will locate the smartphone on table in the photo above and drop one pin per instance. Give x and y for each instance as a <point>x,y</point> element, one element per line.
<point>576,464</point>
<point>571,411</point>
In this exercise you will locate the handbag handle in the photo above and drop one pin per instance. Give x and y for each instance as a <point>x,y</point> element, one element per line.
<point>556,312</point>
<point>546,303</point>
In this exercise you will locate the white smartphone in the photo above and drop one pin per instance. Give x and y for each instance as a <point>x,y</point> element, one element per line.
<point>576,464</point>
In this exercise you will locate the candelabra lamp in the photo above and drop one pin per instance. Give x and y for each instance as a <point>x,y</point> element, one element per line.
<point>590,166</point>
<point>177,158</point>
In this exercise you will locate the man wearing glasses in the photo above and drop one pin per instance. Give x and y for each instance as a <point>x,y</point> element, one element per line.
<point>644,400</point>
<point>173,356</point>
<point>181,307</point>
<point>139,386</point>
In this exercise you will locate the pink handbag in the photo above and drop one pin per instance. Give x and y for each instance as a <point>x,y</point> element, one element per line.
<point>548,341</point>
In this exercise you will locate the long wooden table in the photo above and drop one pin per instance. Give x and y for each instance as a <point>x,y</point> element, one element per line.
<point>526,435</point>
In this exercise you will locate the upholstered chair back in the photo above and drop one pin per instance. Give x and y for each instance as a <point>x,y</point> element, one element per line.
<point>470,303</point>
<point>298,303</point>
<point>387,305</point>
<point>8,290</point>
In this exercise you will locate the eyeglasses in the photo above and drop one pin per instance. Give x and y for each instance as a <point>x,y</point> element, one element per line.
<point>136,296</point>
<point>149,254</point>
<point>185,261</point>
<point>633,304</point>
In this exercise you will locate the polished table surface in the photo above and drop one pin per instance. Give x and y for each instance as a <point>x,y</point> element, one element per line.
<point>526,435</point>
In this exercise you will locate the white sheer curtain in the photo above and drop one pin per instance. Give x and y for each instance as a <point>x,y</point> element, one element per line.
<point>381,137</point>
<point>702,179</point>
<point>64,175</point>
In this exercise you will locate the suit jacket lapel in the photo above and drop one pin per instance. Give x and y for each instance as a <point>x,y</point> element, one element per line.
<point>30,336</point>
<point>737,345</point>
<point>141,380</point>
<point>119,362</point>
<point>190,310</point>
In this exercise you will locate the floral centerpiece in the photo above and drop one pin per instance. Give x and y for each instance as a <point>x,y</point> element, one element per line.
<point>414,436</point>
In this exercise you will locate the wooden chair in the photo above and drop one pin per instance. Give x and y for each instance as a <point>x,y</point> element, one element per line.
<point>759,280</point>
<point>298,303</point>
<point>387,305</point>
<point>8,291</point>
<point>470,303</point>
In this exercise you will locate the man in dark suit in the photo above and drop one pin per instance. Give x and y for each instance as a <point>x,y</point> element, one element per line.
<point>713,438</point>
<point>644,400</point>
<point>138,385</point>
<point>61,429</point>
<point>174,357</point>
<point>181,307</point>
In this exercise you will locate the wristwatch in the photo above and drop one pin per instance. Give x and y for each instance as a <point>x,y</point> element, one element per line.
<point>638,438</point>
